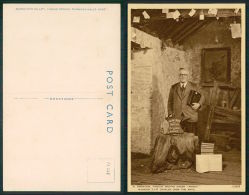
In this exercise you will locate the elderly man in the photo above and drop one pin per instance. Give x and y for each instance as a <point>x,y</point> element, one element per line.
<point>177,102</point>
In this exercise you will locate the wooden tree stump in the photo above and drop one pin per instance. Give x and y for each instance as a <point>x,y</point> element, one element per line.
<point>174,152</point>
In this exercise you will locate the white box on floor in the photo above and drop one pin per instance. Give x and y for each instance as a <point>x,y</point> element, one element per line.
<point>208,162</point>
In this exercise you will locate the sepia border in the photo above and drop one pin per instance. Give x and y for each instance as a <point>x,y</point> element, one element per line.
<point>191,188</point>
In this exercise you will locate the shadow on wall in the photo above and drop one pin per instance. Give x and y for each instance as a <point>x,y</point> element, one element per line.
<point>158,110</point>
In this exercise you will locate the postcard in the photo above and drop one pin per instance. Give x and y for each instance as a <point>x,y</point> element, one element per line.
<point>186,98</point>
<point>61,97</point>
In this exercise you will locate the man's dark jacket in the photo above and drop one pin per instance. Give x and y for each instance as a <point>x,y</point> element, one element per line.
<point>177,102</point>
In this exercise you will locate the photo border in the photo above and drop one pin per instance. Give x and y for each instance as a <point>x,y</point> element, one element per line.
<point>197,188</point>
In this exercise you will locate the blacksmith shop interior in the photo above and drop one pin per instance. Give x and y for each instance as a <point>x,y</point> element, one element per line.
<point>208,43</point>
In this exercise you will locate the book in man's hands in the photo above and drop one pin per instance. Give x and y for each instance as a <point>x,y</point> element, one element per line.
<point>194,97</point>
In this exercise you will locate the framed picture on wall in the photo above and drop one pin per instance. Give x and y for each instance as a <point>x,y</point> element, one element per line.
<point>216,65</point>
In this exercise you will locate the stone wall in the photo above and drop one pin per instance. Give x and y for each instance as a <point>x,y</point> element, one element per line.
<point>216,34</point>
<point>153,71</point>
<point>141,87</point>
<point>165,74</point>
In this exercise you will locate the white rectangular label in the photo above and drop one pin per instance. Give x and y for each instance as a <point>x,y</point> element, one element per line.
<point>100,171</point>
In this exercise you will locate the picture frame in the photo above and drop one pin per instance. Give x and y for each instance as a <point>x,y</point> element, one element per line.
<point>216,65</point>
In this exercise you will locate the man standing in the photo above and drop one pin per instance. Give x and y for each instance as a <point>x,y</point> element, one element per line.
<point>177,102</point>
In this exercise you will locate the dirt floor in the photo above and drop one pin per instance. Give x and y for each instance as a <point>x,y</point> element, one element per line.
<point>231,174</point>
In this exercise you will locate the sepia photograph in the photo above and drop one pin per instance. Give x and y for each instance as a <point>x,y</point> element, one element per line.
<point>186,97</point>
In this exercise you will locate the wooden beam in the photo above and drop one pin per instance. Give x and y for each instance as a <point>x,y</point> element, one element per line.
<point>185,28</point>
<point>192,31</point>
<point>165,28</point>
<point>178,27</point>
